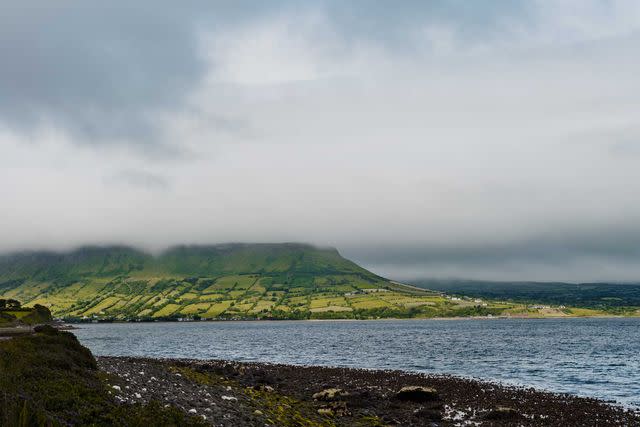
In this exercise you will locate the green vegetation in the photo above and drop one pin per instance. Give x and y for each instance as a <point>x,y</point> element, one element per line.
<point>619,299</point>
<point>286,281</point>
<point>242,281</point>
<point>12,313</point>
<point>49,379</point>
<point>279,409</point>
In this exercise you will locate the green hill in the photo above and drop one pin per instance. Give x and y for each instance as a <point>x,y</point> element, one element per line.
<point>219,281</point>
<point>213,260</point>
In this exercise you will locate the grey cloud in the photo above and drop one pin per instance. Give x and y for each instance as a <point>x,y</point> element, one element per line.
<point>140,179</point>
<point>94,69</point>
<point>101,71</point>
<point>395,24</point>
<point>610,255</point>
<point>512,156</point>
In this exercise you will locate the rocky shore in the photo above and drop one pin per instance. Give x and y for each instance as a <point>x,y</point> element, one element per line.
<point>224,393</point>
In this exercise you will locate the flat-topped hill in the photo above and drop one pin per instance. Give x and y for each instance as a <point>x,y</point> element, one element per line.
<point>288,280</point>
<point>210,260</point>
<point>234,281</point>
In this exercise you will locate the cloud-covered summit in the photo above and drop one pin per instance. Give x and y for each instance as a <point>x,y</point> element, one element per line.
<point>447,139</point>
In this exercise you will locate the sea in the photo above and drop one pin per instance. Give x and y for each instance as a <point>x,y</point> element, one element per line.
<point>595,357</point>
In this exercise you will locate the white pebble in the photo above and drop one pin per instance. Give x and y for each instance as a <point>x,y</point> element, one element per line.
<point>192,411</point>
<point>116,387</point>
<point>229,398</point>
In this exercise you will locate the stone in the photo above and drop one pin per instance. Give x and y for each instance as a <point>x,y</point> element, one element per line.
<point>414,393</point>
<point>330,394</point>
<point>327,412</point>
<point>502,413</point>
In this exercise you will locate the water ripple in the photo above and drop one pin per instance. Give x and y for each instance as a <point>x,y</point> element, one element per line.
<point>589,357</point>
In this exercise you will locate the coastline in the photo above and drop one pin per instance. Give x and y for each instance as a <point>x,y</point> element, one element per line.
<point>72,325</point>
<point>227,393</point>
<point>346,396</point>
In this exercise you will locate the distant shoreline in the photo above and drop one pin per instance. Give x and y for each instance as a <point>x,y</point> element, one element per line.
<point>73,325</point>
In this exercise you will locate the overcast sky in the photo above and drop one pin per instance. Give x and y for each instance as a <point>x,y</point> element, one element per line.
<point>449,139</point>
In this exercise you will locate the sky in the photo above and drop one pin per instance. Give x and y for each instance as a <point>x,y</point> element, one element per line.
<point>494,140</point>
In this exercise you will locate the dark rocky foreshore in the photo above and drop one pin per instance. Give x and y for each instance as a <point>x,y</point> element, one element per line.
<point>256,394</point>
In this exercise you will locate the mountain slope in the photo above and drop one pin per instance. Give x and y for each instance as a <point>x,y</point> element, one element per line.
<point>212,260</point>
<point>219,281</point>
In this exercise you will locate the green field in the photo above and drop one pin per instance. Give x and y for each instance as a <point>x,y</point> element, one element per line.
<point>286,281</point>
<point>243,298</point>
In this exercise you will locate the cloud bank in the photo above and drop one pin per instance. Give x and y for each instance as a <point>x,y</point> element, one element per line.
<point>444,139</point>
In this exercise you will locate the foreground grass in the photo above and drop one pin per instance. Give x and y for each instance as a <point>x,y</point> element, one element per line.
<point>49,379</point>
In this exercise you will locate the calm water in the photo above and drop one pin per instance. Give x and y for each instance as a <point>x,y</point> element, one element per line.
<point>589,357</point>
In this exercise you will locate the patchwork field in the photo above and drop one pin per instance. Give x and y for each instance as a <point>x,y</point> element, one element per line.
<point>256,297</point>
<point>237,281</point>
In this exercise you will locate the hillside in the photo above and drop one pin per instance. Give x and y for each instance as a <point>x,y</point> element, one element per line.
<point>612,297</point>
<point>213,260</point>
<point>219,281</point>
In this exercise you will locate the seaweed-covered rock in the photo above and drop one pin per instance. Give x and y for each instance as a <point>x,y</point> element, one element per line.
<point>416,393</point>
<point>502,413</point>
<point>330,394</point>
<point>334,409</point>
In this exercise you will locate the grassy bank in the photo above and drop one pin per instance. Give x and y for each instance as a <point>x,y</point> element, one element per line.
<point>49,379</point>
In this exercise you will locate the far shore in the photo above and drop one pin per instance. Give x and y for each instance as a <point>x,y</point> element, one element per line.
<point>73,325</point>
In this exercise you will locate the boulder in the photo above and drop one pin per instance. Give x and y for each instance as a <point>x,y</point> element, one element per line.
<point>330,394</point>
<point>334,409</point>
<point>327,412</point>
<point>502,413</point>
<point>414,393</point>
